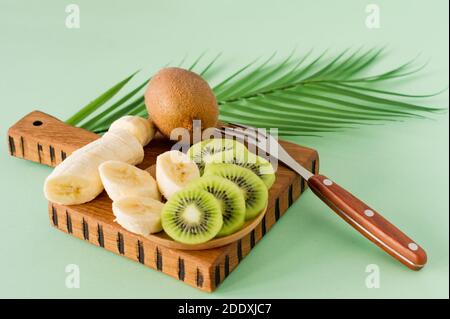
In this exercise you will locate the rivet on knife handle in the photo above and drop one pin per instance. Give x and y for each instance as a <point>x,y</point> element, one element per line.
<point>368,222</point>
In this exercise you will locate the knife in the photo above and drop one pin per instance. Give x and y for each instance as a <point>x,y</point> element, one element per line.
<point>355,212</point>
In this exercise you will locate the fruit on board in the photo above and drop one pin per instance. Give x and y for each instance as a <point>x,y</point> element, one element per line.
<point>142,129</point>
<point>124,180</point>
<point>201,151</point>
<point>140,215</point>
<point>254,190</point>
<point>257,164</point>
<point>192,216</point>
<point>77,179</point>
<point>231,199</point>
<point>175,97</point>
<point>174,170</point>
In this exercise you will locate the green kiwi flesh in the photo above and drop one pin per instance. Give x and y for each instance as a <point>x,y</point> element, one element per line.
<point>201,151</point>
<point>231,200</point>
<point>192,216</point>
<point>257,164</point>
<point>254,190</point>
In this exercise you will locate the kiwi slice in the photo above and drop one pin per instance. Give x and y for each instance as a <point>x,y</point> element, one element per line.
<point>201,151</point>
<point>254,189</point>
<point>257,164</point>
<point>231,200</point>
<point>192,216</point>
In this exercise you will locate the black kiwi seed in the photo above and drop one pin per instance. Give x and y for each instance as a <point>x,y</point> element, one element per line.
<point>258,165</point>
<point>231,199</point>
<point>192,216</point>
<point>199,151</point>
<point>254,190</point>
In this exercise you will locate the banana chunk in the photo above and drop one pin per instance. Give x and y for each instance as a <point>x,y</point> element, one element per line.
<point>125,147</point>
<point>140,215</point>
<point>77,180</point>
<point>142,129</point>
<point>174,170</point>
<point>124,180</point>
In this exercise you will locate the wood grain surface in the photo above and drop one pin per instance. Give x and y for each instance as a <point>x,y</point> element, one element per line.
<point>44,139</point>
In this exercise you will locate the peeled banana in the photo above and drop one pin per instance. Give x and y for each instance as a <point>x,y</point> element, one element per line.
<point>124,180</point>
<point>77,180</point>
<point>142,129</point>
<point>174,170</point>
<point>124,147</point>
<point>140,215</point>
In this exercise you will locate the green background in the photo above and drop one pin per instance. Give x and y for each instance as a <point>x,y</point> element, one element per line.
<point>401,169</point>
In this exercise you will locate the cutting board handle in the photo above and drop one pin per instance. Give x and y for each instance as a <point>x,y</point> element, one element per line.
<point>44,139</point>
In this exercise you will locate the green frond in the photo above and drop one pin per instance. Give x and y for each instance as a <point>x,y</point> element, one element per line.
<point>193,65</point>
<point>300,95</point>
<point>98,102</point>
<point>209,66</point>
<point>92,122</point>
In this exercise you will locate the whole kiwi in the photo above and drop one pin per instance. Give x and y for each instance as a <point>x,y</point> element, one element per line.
<point>175,97</point>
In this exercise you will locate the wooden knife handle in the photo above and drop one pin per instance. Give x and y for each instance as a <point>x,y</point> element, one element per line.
<point>369,222</point>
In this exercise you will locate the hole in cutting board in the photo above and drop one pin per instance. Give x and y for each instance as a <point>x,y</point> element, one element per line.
<point>37,123</point>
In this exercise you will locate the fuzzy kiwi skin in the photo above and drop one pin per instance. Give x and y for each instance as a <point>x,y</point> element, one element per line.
<point>174,224</point>
<point>255,191</point>
<point>175,97</point>
<point>230,197</point>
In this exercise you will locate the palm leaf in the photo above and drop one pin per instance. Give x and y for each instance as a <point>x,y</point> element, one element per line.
<point>305,95</point>
<point>91,123</point>
<point>101,122</point>
<point>98,102</point>
<point>209,66</point>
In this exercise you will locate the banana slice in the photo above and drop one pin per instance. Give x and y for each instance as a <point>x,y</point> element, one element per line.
<point>123,180</point>
<point>77,180</point>
<point>142,129</point>
<point>174,170</point>
<point>125,146</point>
<point>140,215</point>
<point>74,182</point>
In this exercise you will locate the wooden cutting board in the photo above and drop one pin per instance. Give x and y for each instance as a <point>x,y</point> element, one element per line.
<point>42,138</point>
